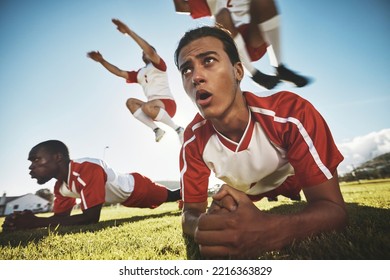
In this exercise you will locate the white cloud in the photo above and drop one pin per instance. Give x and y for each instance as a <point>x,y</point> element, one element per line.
<point>363,148</point>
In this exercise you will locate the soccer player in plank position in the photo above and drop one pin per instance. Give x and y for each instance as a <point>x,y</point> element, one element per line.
<point>160,105</point>
<point>260,147</point>
<point>255,28</point>
<point>92,181</point>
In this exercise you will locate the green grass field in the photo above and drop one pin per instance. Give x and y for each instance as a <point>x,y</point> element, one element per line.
<point>144,234</point>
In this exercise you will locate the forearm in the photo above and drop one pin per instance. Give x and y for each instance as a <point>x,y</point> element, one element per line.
<point>29,220</point>
<point>190,217</point>
<point>190,222</point>
<point>321,216</point>
<point>113,69</point>
<point>40,222</point>
<point>79,219</point>
<point>144,45</point>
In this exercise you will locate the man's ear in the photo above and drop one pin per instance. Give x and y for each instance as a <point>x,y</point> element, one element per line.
<point>239,71</point>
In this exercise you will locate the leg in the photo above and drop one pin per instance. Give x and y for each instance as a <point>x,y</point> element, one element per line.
<point>136,108</point>
<point>156,109</point>
<point>134,104</point>
<point>148,194</point>
<point>152,108</point>
<point>265,15</point>
<point>224,19</point>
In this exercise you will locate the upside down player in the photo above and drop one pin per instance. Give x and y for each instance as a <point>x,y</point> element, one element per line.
<point>255,28</point>
<point>88,179</point>
<point>260,147</point>
<point>160,105</point>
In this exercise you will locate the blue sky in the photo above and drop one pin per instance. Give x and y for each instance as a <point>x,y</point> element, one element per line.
<point>49,89</point>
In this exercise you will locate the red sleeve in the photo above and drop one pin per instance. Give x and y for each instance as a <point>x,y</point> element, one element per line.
<point>92,181</point>
<point>312,150</point>
<point>61,203</point>
<point>297,127</point>
<point>194,172</point>
<point>132,77</point>
<point>161,65</point>
<point>199,8</point>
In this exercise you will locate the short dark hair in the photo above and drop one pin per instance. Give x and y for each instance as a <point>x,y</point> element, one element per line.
<point>53,147</point>
<point>205,31</point>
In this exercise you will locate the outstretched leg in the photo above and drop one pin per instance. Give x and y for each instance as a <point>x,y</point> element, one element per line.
<point>265,15</point>
<point>224,19</point>
<point>158,111</point>
<point>136,108</point>
<point>149,194</point>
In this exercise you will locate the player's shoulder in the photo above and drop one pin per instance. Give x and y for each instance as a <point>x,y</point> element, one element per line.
<point>86,163</point>
<point>271,95</point>
<point>276,100</point>
<point>199,128</point>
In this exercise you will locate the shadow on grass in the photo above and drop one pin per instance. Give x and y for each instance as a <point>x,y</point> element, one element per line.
<point>367,237</point>
<point>24,237</point>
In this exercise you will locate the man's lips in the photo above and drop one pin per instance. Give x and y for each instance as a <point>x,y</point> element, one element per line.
<point>203,98</point>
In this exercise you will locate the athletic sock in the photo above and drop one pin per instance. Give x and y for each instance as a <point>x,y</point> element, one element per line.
<point>244,56</point>
<point>271,32</point>
<point>165,118</point>
<point>173,195</point>
<point>262,79</point>
<point>142,117</point>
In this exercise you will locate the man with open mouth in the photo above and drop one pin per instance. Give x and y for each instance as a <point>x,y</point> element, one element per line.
<point>260,147</point>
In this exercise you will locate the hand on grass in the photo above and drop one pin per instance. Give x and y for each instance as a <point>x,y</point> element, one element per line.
<point>19,220</point>
<point>234,227</point>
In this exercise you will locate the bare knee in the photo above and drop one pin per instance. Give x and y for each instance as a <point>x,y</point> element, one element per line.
<point>133,104</point>
<point>150,110</point>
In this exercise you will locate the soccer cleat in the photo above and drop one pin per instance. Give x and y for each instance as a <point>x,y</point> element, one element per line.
<point>286,74</point>
<point>180,133</point>
<point>159,133</point>
<point>265,80</point>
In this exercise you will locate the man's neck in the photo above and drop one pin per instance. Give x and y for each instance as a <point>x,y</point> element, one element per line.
<point>64,172</point>
<point>233,124</point>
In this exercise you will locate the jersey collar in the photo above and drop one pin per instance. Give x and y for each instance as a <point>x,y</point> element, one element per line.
<point>244,141</point>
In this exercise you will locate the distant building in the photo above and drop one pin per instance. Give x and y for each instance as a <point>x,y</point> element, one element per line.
<point>25,202</point>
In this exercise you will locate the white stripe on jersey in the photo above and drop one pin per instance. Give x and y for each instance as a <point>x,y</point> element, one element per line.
<point>184,169</point>
<point>313,151</point>
<point>83,200</point>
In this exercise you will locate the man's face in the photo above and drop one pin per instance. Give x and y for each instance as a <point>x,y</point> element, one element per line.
<point>44,166</point>
<point>209,78</point>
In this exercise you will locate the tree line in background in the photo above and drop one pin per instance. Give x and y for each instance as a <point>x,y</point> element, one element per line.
<point>377,168</point>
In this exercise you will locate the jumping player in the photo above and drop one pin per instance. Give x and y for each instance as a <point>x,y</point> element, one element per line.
<point>260,147</point>
<point>90,180</point>
<point>160,105</point>
<point>255,28</point>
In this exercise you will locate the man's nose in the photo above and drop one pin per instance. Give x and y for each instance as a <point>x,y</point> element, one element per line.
<point>198,77</point>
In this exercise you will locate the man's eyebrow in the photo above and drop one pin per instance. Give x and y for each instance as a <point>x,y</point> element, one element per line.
<point>205,54</point>
<point>198,56</point>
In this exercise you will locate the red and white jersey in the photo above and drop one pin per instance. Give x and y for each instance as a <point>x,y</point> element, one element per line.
<point>154,80</point>
<point>239,9</point>
<point>285,136</point>
<point>94,182</point>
